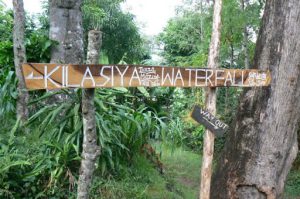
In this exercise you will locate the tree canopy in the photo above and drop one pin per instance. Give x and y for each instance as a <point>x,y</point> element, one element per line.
<point>121,37</point>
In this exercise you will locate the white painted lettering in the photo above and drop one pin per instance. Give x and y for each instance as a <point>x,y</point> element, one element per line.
<point>135,75</point>
<point>104,76</point>
<point>199,77</point>
<point>202,112</point>
<point>63,76</point>
<point>219,76</point>
<point>190,75</point>
<point>234,82</point>
<point>122,74</point>
<point>179,77</point>
<point>48,75</point>
<point>242,78</point>
<point>164,78</point>
<point>207,77</point>
<point>85,77</point>
<point>67,79</point>
<point>228,78</point>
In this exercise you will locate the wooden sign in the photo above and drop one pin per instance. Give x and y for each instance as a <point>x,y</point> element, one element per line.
<point>209,121</point>
<point>56,76</point>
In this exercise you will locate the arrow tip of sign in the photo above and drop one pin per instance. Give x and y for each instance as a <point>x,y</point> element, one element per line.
<point>30,76</point>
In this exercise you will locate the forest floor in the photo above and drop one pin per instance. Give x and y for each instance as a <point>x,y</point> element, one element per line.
<point>180,179</point>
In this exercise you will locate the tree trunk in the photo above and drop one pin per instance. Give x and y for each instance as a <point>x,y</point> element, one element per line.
<point>90,150</point>
<point>66,28</point>
<point>259,153</point>
<point>20,58</point>
<point>245,39</point>
<point>245,48</point>
<point>208,148</point>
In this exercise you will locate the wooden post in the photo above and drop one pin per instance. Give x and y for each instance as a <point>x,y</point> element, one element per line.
<point>208,148</point>
<point>90,149</point>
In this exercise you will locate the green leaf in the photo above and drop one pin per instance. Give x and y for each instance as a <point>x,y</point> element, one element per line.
<point>144,91</point>
<point>13,164</point>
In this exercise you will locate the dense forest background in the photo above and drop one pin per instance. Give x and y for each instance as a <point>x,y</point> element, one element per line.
<point>150,148</point>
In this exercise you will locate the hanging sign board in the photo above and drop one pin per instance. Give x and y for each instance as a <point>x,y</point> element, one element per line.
<point>209,121</point>
<point>56,76</point>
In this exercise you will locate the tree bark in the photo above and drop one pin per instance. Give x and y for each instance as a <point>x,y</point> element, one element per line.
<point>90,148</point>
<point>208,148</point>
<point>245,38</point>
<point>66,28</point>
<point>259,153</point>
<point>20,58</point>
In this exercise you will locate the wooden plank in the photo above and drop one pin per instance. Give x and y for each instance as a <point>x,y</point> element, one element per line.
<point>56,76</point>
<point>211,122</point>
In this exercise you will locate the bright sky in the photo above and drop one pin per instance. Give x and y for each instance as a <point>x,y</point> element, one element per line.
<point>32,6</point>
<point>151,15</point>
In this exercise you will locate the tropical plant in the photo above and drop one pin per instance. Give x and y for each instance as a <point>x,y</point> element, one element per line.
<point>38,47</point>
<point>121,129</point>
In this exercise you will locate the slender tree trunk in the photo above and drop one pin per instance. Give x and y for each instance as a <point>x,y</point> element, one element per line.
<point>245,48</point>
<point>245,39</point>
<point>259,152</point>
<point>20,58</point>
<point>208,148</point>
<point>90,150</point>
<point>231,53</point>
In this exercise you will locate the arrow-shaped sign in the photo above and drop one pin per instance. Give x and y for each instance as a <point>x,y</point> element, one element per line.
<point>209,121</point>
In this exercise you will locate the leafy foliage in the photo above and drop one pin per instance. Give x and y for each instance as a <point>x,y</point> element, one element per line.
<point>186,41</point>
<point>52,163</point>
<point>186,37</point>
<point>182,38</point>
<point>135,126</point>
<point>233,29</point>
<point>34,171</point>
<point>38,48</point>
<point>8,94</point>
<point>6,24</point>
<point>121,37</point>
<point>292,185</point>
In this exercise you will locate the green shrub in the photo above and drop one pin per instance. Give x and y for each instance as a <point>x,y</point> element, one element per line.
<point>292,186</point>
